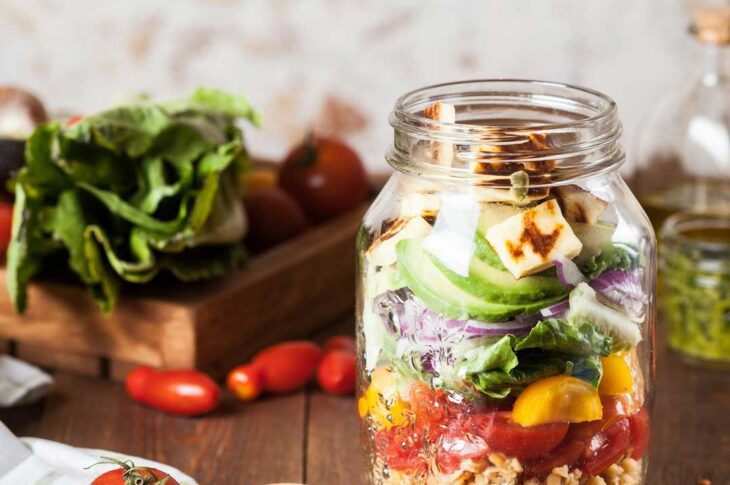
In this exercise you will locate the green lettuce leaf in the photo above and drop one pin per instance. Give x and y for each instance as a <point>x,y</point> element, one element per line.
<point>560,336</point>
<point>552,347</point>
<point>614,256</point>
<point>498,383</point>
<point>132,191</point>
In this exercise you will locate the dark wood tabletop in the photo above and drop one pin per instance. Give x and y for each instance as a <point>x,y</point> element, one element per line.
<point>310,437</point>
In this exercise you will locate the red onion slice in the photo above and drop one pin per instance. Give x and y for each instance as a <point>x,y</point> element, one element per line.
<point>557,309</point>
<point>474,328</point>
<point>568,272</point>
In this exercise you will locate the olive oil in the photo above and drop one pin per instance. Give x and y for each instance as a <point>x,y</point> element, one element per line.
<point>706,196</point>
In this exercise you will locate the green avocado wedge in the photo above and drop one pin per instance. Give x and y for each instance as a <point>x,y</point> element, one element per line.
<point>488,283</point>
<point>428,282</point>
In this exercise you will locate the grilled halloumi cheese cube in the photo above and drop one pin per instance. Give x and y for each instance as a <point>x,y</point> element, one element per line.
<point>529,242</point>
<point>580,205</point>
<point>382,251</point>
<point>421,204</point>
<point>443,152</point>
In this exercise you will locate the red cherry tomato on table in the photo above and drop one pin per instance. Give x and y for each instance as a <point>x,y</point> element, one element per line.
<point>639,424</point>
<point>273,217</point>
<point>178,392</point>
<point>246,382</point>
<point>340,342</point>
<point>288,366</point>
<point>6,225</point>
<point>524,443</point>
<point>337,372</point>
<point>325,176</point>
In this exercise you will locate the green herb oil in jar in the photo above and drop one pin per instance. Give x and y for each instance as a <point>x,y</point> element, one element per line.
<point>695,287</point>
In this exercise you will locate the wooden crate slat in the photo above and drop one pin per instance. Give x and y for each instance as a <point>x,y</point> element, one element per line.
<point>283,295</point>
<point>118,369</point>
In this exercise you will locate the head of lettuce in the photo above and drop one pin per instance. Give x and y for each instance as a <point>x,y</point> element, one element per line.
<point>127,193</point>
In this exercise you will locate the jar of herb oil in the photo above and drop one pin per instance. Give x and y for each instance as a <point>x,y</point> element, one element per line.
<point>695,287</point>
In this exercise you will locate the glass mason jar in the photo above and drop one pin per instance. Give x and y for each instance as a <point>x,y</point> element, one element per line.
<point>505,293</point>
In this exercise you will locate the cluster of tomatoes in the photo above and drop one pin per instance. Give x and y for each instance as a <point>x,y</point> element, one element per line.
<point>319,179</point>
<point>443,429</point>
<point>279,369</point>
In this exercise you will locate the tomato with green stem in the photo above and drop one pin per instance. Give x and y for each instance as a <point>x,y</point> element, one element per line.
<point>325,176</point>
<point>129,474</point>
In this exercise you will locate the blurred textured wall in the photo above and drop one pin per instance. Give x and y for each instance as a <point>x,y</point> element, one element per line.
<point>337,64</point>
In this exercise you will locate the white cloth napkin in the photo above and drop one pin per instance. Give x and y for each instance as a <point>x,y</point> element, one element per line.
<point>20,382</point>
<point>33,461</point>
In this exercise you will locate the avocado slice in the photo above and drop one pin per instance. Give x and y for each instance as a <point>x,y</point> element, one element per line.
<point>430,283</point>
<point>595,238</point>
<point>494,285</point>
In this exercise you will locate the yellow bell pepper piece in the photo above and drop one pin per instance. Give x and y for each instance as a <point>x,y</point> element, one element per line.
<point>382,401</point>
<point>617,375</point>
<point>557,399</point>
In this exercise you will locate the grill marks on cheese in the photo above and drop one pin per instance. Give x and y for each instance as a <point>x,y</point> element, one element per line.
<point>541,243</point>
<point>529,242</point>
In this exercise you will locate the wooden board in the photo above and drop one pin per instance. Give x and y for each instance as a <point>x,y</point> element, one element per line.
<point>287,292</point>
<point>244,443</point>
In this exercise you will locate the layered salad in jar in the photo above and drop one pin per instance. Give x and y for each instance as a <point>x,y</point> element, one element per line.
<point>501,332</point>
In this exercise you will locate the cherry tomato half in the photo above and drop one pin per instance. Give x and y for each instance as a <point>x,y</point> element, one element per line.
<point>568,453</point>
<point>639,424</point>
<point>402,450</point>
<point>179,392</point>
<point>325,176</point>
<point>607,447</point>
<point>523,442</point>
<point>458,444</point>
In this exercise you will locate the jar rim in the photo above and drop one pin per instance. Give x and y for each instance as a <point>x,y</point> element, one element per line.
<point>582,125</point>
<point>402,102</point>
<point>677,225</point>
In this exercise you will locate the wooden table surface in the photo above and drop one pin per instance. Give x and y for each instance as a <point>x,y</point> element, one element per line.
<point>312,438</point>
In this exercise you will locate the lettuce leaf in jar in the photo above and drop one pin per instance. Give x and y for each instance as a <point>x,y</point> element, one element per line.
<point>552,347</point>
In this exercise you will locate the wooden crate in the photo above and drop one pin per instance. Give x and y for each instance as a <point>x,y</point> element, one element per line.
<point>287,292</point>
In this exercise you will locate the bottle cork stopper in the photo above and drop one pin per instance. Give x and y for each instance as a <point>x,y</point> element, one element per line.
<point>712,24</point>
